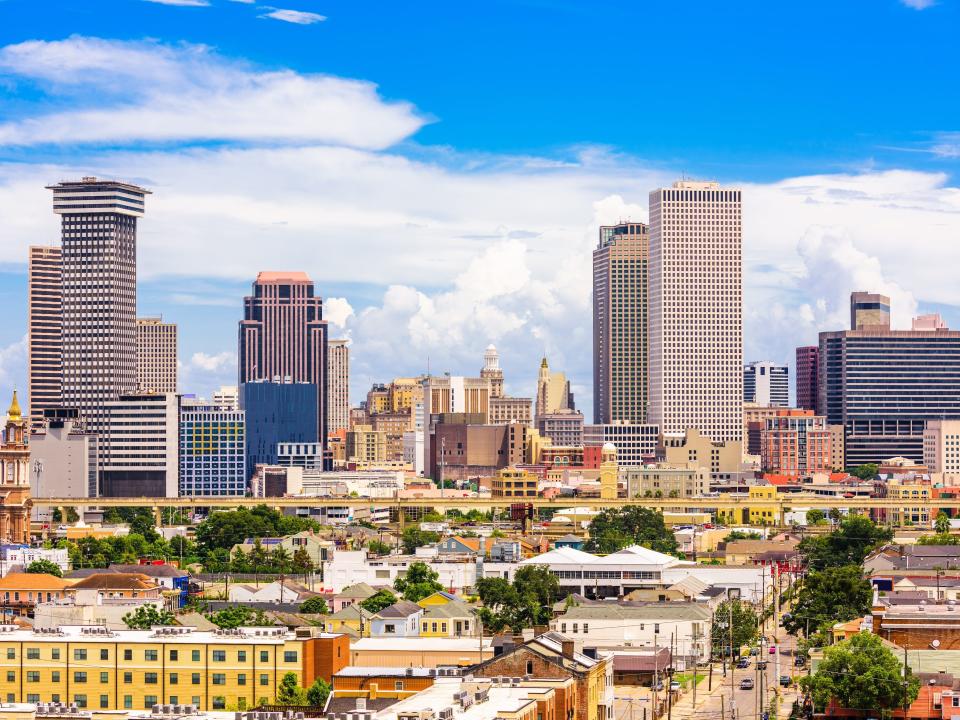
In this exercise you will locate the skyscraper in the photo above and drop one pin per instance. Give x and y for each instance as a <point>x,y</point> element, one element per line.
<point>766,383</point>
<point>338,385</point>
<point>620,324</point>
<point>696,314</point>
<point>808,360</point>
<point>156,355</point>
<point>99,246</point>
<point>492,371</point>
<point>553,391</point>
<point>276,413</point>
<point>44,330</point>
<point>137,446</point>
<point>212,450</point>
<point>283,338</point>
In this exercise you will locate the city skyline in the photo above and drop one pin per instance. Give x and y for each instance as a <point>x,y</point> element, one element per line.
<point>507,218</point>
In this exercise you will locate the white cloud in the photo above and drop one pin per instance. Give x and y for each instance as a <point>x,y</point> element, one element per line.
<point>147,91</point>
<point>298,17</point>
<point>337,311</point>
<point>919,4</point>
<point>204,372</point>
<point>13,373</point>
<point>182,3</point>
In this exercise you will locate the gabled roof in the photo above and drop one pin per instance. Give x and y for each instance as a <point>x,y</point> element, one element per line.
<point>471,543</point>
<point>562,556</point>
<point>690,586</point>
<point>637,555</point>
<point>149,570</point>
<point>32,581</point>
<point>400,609</point>
<point>350,612</point>
<point>453,609</point>
<point>361,591</point>
<point>115,581</point>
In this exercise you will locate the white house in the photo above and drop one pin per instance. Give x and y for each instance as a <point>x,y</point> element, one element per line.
<point>352,567</point>
<point>20,556</point>
<point>286,591</point>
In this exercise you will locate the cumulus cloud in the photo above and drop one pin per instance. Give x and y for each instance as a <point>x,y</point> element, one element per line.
<point>298,17</point>
<point>336,311</point>
<point>121,92</point>
<point>204,372</point>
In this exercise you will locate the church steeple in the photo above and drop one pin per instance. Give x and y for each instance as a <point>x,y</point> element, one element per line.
<point>14,412</point>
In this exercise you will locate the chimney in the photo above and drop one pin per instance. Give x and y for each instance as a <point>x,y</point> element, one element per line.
<point>567,649</point>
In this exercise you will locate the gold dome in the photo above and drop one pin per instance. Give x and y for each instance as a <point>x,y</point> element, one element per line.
<point>14,412</point>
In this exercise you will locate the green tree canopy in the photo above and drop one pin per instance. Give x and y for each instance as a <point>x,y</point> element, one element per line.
<point>289,692</point>
<point>939,539</point>
<point>525,602</point>
<point>376,603</point>
<point>616,528</point>
<point>146,617</point>
<point>832,595</point>
<point>414,537</point>
<point>745,626</point>
<point>815,516</point>
<point>741,535</point>
<point>849,544</point>
<point>867,471</point>
<point>47,567</point>
<point>314,605</point>
<point>861,673</point>
<point>238,616</point>
<point>942,523</point>
<point>418,582</point>
<point>318,693</point>
<point>224,529</point>
<point>379,548</point>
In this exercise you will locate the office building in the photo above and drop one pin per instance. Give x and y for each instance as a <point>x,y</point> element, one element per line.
<point>393,425</point>
<point>277,412</point>
<point>636,444</point>
<point>469,449</point>
<point>99,249</point>
<point>766,384</point>
<point>156,355</point>
<point>15,504</point>
<point>228,396</point>
<point>137,453</point>
<point>620,324</point>
<point>869,311</point>
<point>695,314</point>
<point>665,481</point>
<point>941,446</point>
<point>63,455</point>
<point>308,456</point>
<point>44,329</point>
<point>796,443</point>
<point>283,338</point>
<point>366,445</point>
<point>513,483</point>
<point>553,391</point>
<point>212,450</point>
<point>807,364</point>
<point>693,448</point>
<point>96,668</point>
<point>884,385</point>
<point>491,371</point>
<point>451,394</point>
<point>505,410</point>
<point>563,428</point>
<point>338,385</point>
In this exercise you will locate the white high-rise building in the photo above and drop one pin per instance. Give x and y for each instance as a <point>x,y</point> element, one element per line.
<point>44,330</point>
<point>228,397</point>
<point>138,448</point>
<point>338,385</point>
<point>156,355</point>
<point>696,310</point>
<point>766,384</point>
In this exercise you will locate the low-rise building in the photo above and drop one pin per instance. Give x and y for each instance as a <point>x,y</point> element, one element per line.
<point>420,651</point>
<point>722,459</point>
<point>402,619</point>
<point>514,483</point>
<point>17,558</point>
<point>663,480</point>
<point>21,591</point>
<point>451,619</point>
<point>278,591</point>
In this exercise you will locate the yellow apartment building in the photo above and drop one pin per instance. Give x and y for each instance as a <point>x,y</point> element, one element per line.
<point>511,482</point>
<point>135,669</point>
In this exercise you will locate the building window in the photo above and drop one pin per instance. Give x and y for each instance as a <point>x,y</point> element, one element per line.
<point>80,700</point>
<point>33,698</point>
<point>195,701</point>
<point>219,679</point>
<point>128,702</point>
<point>33,676</point>
<point>174,655</point>
<point>104,677</point>
<point>398,685</point>
<point>241,679</point>
<point>264,679</point>
<point>195,655</point>
<point>150,678</point>
<point>79,654</point>
<point>241,655</point>
<point>11,676</point>
<point>128,678</point>
<point>55,654</point>
<point>195,678</point>
<point>150,655</point>
<point>219,655</point>
<point>264,656</point>
<point>104,654</point>
<point>104,702</point>
<point>128,654</point>
<point>33,653</point>
<point>149,701</point>
<point>290,656</point>
<point>174,678</point>
<point>219,703</point>
<point>174,699</point>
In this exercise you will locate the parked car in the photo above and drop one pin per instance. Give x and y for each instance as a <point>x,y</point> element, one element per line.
<point>773,650</point>
<point>785,681</point>
<point>754,651</point>
<point>799,661</point>
<point>674,686</point>
<point>746,684</point>
<point>761,665</point>
<point>743,663</point>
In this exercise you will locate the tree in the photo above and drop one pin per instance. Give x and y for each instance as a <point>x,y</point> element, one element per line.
<point>745,626</point>
<point>815,516</point>
<point>418,582</point>
<point>849,544</point>
<point>318,693</point>
<point>290,692</point>
<point>146,617</point>
<point>741,535</point>
<point>525,602</point>
<point>376,603</point>
<point>258,557</point>
<point>301,562</point>
<point>867,471</point>
<point>861,673</point>
<point>280,559</point>
<point>379,548</point>
<point>222,530</point>
<point>615,528</point>
<point>240,562</point>
<point>314,605</point>
<point>238,616</point>
<point>942,523</point>
<point>47,567</point>
<point>414,537</point>
<point>939,539</point>
<point>832,595</point>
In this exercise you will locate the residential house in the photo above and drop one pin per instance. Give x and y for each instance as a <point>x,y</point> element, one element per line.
<point>402,619</point>
<point>440,597</point>
<point>278,591</point>
<point>459,545</point>
<point>377,687</point>
<point>118,586</point>
<point>553,656</point>
<point>318,548</point>
<point>572,541</point>
<point>351,620</point>
<point>452,619</point>
<point>351,595</point>
<point>752,552</point>
<point>167,576</point>
<point>20,592</point>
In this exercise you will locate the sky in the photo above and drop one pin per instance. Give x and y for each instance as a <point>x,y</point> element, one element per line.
<point>440,170</point>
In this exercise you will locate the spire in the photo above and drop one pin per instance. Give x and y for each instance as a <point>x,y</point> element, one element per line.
<point>543,363</point>
<point>14,412</point>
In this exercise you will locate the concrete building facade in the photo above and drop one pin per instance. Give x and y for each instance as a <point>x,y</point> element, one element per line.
<point>63,455</point>
<point>766,383</point>
<point>696,310</point>
<point>563,427</point>
<point>553,391</point>
<point>941,446</point>
<point>138,454</point>
<point>505,410</point>
<point>636,443</point>
<point>723,460</point>
<point>806,366</point>
<point>213,458</point>
<point>338,385</point>
<point>44,329</point>
<point>156,355</point>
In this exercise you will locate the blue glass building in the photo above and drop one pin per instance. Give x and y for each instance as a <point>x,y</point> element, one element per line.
<point>277,412</point>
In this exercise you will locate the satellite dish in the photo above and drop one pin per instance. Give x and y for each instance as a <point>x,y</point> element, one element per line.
<point>935,644</point>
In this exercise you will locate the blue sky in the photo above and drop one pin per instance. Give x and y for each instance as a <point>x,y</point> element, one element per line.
<point>440,168</point>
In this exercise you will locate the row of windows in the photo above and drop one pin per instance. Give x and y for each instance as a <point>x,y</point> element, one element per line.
<point>289,656</point>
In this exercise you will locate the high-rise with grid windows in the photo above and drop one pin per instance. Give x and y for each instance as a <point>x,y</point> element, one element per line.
<point>696,310</point>
<point>45,330</point>
<point>620,324</point>
<point>156,355</point>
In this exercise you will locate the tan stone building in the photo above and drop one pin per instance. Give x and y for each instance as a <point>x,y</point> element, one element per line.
<point>505,410</point>
<point>665,480</point>
<point>366,445</point>
<point>156,355</point>
<point>393,425</point>
<point>722,459</point>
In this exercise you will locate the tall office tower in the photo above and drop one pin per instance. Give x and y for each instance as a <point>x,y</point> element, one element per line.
<point>275,413</point>
<point>696,310</point>
<point>212,450</point>
<point>884,385</point>
<point>620,324</point>
<point>99,243</point>
<point>553,391</point>
<point>137,446</point>
<point>156,355</point>
<point>338,385</point>
<point>807,364</point>
<point>766,383</point>
<point>44,330</point>
<point>869,310</point>
<point>492,371</point>
<point>283,337</point>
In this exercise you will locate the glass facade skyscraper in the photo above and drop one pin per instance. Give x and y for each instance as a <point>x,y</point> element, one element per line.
<point>277,412</point>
